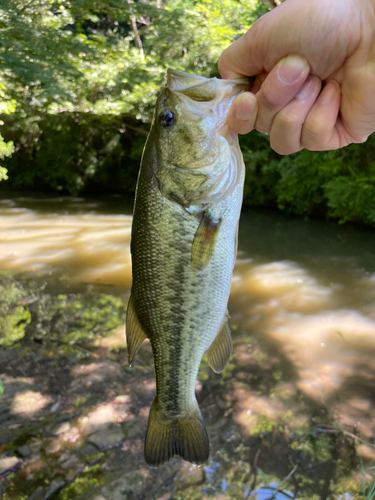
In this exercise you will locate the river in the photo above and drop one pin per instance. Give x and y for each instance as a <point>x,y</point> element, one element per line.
<point>292,416</point>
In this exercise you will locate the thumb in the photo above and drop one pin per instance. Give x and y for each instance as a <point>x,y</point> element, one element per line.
<point>245,57</point>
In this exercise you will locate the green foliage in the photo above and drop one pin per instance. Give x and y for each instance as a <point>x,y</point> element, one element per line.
<point>14,317</point>
<point>340,183</point>
<point>68,319</point>
<point>84,77</point>
<point>90,478</point>
<point>81,317</point>
<point>368,491</point>
<point>78,86</point>
<point>316,447</point>
<point>6,149</point>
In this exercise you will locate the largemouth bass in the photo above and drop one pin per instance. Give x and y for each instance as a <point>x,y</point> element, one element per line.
<point>183,245</point>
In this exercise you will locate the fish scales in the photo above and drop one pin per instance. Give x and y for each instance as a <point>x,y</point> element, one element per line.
<point>180,307</point>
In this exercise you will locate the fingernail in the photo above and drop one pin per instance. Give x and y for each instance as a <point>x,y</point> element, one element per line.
<point>291,68</point>
<point>245,106</point>
<point>328,93</point>
<point>307,89</point>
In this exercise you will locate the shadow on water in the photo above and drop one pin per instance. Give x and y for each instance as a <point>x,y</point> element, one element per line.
<point>292,415</point>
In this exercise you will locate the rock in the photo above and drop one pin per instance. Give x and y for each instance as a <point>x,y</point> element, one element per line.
<point>35,446</point>
<point>135,427</point>
<point>125,488</point>
<point>98,419</point>
<point>38,494</point>
<point>54,487</point>
<point>71,462</point>
<point>189,475</point>
<point>61,429</point>
<point>24,451</point>
<point>54,446</point>
<point>9,464</point>
<point>97,376</point>
<point>106,439</point>
<point>7,356</point>
<point>72,474</point>
<point>87,449</point>
<point>365,452</point>
<point>28,403</point>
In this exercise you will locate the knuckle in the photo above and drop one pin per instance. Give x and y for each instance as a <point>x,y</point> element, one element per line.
<point>288,121</point>
<point>313,134</point>
<point>268,99</point>
<point>283,147</point>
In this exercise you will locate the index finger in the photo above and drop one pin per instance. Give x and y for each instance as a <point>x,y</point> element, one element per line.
<point>246,56</point>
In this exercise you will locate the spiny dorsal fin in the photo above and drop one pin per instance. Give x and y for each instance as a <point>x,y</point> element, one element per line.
<point>204,242</point>
<point>134,331</point>
<point>185,436</point>
<point>220,351</point>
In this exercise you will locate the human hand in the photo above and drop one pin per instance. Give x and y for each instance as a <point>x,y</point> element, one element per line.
<point>291,50</point>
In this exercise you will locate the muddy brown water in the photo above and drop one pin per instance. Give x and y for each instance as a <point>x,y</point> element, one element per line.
<point>293,414</point>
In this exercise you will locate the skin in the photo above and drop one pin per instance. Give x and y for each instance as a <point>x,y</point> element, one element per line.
<point>314,63</point>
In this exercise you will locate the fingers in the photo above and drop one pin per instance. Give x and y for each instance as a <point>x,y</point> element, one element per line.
<point>286,130</point>
<point>274,91</point>
<point>279,88</point>
<point>322,130</point>
<point>235,61</point>
<point>243,113</point>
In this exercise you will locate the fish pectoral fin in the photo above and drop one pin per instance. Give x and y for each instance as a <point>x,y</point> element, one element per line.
<point>135,334</point>
<point>220,351</point>
<point>204,242</point>
<point>185,436</point>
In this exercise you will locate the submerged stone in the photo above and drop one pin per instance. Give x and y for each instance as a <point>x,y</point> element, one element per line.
<point>24,451</point>
<point>55,486</point>
<point>8,464</point>
<point>106,439</point>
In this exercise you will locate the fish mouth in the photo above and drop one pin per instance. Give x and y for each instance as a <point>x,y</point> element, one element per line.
<point>175,74</point>
<point>200,88</point>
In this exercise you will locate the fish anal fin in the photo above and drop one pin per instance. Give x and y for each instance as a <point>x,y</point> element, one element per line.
<point>220,350</point>
<point>135,334</point>
<point>185,436</point>
<point>204,242</point>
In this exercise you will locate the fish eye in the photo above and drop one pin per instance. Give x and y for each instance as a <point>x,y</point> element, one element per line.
<point>167,118</point>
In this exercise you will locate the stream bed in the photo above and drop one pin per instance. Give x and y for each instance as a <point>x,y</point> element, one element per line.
<point>292,415</point>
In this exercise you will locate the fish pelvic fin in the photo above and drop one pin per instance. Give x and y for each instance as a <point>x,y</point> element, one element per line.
<point>135,334</point>
<point>204,242</point>
<point>220,351</point>
<point>185,436</point>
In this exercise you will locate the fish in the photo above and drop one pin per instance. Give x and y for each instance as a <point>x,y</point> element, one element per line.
<point>183,247</point>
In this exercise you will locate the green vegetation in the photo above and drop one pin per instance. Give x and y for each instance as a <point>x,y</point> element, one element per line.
<point>14,317</point>
<point>77,90</point>
<point>64,320</point>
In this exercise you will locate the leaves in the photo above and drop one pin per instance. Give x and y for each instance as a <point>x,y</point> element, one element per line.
<point>78,85</point>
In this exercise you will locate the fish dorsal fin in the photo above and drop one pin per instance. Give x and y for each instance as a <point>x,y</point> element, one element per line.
<point>135,334</point>
<point>204,241</point>
<point>220,351</point>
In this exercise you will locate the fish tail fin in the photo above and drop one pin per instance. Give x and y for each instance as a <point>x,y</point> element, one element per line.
<point>185,436</point>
